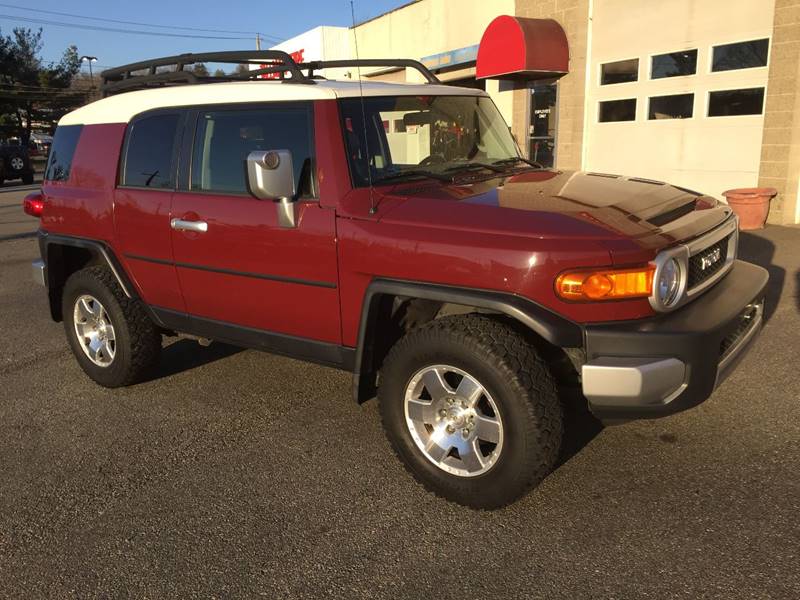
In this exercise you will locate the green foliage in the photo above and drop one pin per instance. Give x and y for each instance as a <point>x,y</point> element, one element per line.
<point>32,92</point>
<point>219,73</point>
<point>200,70</point>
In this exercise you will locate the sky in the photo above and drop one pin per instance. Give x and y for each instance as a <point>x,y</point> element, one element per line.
<point>278,20</point>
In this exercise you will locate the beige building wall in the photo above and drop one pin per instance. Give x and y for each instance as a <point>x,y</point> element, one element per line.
<point>780,150</point>
<point>709,154</point>
<point>428,27</point>
<point>573,16</point>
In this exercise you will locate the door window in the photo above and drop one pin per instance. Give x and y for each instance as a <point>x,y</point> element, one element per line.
<point>543,123</point>
<point>726,103</point>
<point>150,152</point>
<point>225,138</point>
<point>620,71</point>
<point>617,110</point>
<point>741,55</point>
<point>674,64</point>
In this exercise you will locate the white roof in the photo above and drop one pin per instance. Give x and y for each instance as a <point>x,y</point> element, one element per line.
<point>122,107</point>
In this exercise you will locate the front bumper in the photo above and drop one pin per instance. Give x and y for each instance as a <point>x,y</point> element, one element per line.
<point>656,367</point>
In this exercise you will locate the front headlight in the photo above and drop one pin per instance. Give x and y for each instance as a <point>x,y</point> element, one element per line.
<point>668,283</point>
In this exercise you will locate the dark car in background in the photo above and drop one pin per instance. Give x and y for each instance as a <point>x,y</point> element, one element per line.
<point>15,163</point>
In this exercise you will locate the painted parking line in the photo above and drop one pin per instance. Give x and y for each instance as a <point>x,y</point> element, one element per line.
<point>20,188</point>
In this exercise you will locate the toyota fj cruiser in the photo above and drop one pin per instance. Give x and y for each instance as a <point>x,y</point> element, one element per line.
<point>394,231</point>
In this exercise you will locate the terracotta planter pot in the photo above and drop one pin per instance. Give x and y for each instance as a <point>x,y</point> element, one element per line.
<point>751,205</point>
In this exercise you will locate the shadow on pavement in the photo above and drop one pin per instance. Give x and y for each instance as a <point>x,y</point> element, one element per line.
<point>580,426</point>
<point>185,355</point>
<point>756,249</point>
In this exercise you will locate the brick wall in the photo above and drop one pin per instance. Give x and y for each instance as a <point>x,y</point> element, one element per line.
<point>573,16</point>
<point>780,146</point>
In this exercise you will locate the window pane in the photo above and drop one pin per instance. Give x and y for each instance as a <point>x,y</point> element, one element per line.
<point>60,159</point>
<point>148,161</point>
<point>678,106</point>
<point>620,71</point>
<point>440,134</point>
<point>736,102</point>
<point>225,138</point>
<point>674,64</point>
<point>618,110</point>
<point>742,55</point>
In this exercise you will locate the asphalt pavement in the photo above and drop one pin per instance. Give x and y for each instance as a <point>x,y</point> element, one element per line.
<point>240,474</point>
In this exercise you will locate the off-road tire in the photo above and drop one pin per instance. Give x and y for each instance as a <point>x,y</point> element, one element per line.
<point>138,341</point>
<point>521,385</point>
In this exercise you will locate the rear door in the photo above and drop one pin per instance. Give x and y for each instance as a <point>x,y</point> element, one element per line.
<point>142,202</point>
<point>239,270</point>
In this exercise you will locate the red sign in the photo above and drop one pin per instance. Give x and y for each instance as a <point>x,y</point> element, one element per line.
<point>297,56</point>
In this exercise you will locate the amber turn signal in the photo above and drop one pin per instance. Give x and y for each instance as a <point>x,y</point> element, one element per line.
<point>609,284</point>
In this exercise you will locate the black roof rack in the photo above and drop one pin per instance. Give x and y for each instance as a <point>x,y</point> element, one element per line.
<point>125,79</point>
<point>316,65</point>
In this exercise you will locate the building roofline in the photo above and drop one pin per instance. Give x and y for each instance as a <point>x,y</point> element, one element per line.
<point>380,16</point>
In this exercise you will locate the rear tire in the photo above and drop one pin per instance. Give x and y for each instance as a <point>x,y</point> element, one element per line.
<point>111,336</point>
<point>513,397</point>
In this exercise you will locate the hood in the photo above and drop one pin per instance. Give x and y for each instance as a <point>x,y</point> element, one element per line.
<point>560,204</point>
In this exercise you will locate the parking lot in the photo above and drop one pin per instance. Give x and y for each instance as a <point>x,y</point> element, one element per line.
<point>237,473</point>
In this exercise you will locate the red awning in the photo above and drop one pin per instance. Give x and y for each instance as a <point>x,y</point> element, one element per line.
<point>518,48</point>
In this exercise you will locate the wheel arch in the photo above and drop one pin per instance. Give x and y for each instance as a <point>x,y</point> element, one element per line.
<point>379,327</point>
<point>64,255</point>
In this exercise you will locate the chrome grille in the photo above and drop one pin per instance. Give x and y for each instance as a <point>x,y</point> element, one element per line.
<point>708,262</point>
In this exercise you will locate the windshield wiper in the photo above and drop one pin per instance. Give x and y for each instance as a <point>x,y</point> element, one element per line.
<point>412,173</point>
<point>517,159</point>
<point>473,166</point>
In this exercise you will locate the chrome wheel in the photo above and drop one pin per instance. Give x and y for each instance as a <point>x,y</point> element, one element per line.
<point>94,330</point>
<point>17,163</point>
<point>453,420</point>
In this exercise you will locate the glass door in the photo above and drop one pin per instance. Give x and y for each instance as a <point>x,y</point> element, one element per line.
<point>542,131</point>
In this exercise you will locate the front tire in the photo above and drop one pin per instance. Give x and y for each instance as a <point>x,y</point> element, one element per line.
<point>471,410</point>
<point>111,336</point>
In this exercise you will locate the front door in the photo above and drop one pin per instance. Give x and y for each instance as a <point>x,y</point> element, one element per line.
<point>542,133</point>
<point>238,269</point>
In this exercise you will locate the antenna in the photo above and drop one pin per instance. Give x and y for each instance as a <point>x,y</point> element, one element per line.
<point>372,207</point>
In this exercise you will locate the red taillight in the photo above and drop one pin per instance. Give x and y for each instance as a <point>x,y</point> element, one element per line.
<point>33,204</point>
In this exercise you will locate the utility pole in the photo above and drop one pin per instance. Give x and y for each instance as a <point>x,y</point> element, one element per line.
<point>258,41</point>
<point>90,60</point>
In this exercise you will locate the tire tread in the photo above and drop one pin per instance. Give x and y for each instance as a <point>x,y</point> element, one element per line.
<point>507,351</point>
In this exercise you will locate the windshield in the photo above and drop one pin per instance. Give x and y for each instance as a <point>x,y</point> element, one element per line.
<point>412,136</point>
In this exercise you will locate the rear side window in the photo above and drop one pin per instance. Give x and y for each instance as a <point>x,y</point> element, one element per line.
<point>150,152</point>
<point>224,138</point>
<point>60,161</point>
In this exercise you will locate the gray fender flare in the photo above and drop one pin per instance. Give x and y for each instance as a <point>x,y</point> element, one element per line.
<point>550,326</point>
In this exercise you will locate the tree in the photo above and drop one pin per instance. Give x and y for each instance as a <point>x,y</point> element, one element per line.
<point>241,69</point>
<point>200,70</point>
<point>32,91</point>
<point>219,73</point>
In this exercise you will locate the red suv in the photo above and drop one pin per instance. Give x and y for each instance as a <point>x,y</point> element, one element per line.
<point>394,231</point>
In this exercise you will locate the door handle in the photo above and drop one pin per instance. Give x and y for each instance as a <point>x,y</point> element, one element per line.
<point>181,225</point>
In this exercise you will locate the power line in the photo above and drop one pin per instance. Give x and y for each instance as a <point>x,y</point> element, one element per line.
<point>138,23</point>
<point>118,30</point>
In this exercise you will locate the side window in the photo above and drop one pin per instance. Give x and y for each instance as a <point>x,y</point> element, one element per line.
<point>60,161</point>
<point>150,151</point>
<point>224,138</point>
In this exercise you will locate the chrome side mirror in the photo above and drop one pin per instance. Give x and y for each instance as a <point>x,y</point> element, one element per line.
<point>270,176</point>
